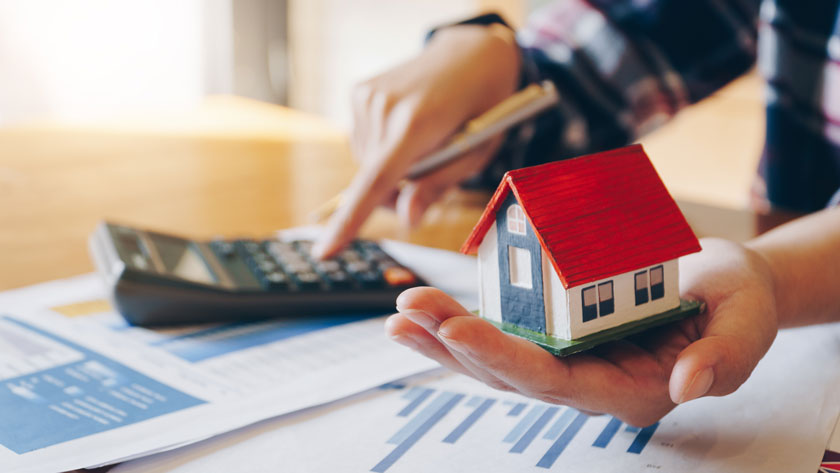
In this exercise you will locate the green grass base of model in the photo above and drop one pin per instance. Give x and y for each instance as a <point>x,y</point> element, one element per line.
<point>561,347</point>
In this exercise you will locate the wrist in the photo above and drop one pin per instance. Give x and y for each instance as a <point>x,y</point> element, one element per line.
<point>490,60</point>
<point>766,267</point>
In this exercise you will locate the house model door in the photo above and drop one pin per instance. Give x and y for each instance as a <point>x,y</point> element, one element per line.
<point>520,268</point>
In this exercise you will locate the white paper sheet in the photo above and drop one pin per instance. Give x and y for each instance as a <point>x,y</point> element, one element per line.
<point>778,421</point>
<point>65,409</point>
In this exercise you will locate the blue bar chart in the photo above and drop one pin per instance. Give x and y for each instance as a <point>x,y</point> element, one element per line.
<point>555,426</point>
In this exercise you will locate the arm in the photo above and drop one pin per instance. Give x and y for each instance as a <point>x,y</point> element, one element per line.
<point>804,259</point>
<point>791,271</point>
<point>621,69</point>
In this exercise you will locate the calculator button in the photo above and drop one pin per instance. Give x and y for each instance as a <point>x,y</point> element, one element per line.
<point>328,266</point>
<point>280,250</point>
<point>358,267</point>
<point>251,246</point>
<point>350,256</point>
<point>367,245</point>
<point>398,276</point>
<point>304,246</point>
<point>300,267</point>
<point>223,248</point>
<point>369,279</point>
<point>276,280</point>
<point>385,264</point>
<point>308,280</point>
<point>267,266</point>
<point>292,257</point>
<point>339,279</point>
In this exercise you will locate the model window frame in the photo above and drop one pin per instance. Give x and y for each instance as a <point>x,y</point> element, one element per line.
<point>657,290</point>
<point>516,221</point>
<point>642,295</point>
<point>523,255</point>
<point>606,306</point>
<point>589,312</point>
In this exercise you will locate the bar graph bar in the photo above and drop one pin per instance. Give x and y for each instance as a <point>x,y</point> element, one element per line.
<point>561,425</point>
<point>562,441</point>
<point>469,421</point>
<point>474,401</point>
<point>418,395</point>
<point>642,439</point>
<point>535,429</point>
<point>425,414</point>
<point>517,409</point>
<point>525,423</point>
<point>448,401</point>
<point>608,433</point>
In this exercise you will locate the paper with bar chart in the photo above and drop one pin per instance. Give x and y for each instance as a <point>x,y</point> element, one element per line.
<point>779,420</point>
<point>550,430</point>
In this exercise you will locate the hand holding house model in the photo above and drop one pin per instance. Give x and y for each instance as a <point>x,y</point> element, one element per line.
<point>575,253</point>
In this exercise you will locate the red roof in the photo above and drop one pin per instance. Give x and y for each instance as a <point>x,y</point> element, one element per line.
<point>596,216</point>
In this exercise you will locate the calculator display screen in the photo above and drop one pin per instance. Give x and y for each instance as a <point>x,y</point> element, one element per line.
<point>182,259</point>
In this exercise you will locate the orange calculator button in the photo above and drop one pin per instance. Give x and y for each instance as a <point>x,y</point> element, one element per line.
<point>396,276</point>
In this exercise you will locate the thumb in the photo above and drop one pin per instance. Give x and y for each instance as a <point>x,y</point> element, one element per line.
<point>719,362</point>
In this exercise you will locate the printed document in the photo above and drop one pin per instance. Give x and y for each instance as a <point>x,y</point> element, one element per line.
<point>80,388</point>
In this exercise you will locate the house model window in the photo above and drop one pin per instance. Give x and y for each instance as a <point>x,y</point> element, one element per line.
<point>520,267</point>
<point>641,287</point>
<point>606,302</point>
<point>656,277</point>
<point>657,283</point>
<point>598,302</point>
<point>516,220</point>
<point>590,304</point>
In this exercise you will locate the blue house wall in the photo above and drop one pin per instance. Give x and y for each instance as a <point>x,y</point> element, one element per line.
<point>520,306</point>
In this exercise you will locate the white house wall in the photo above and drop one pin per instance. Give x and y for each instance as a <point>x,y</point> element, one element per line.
<point>624,295</point>
<point>490,302</point>
<point>556,303</point>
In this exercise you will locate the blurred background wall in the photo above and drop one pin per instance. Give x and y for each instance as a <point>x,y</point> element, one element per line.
<point>109,62</point>
<point>88,59</point>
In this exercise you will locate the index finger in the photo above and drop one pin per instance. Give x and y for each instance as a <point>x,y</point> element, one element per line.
<point>371,186</point>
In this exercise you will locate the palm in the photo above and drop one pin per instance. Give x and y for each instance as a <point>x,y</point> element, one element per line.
<point>637,379</point>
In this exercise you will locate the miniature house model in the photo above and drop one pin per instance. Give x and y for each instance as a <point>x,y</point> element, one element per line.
<point>575,247</point>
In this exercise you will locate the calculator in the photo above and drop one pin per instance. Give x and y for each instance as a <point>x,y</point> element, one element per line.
<point>158,279</point>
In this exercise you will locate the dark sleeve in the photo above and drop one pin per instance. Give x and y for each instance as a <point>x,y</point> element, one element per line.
<point>623,68</point>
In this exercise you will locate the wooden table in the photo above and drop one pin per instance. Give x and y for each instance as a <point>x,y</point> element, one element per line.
<point>57,183</point>
<point>233,167</point>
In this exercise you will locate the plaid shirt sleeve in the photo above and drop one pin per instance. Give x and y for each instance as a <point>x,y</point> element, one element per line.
<point>623,68</point>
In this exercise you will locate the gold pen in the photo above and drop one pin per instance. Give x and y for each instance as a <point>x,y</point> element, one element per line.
<point>508,113</point>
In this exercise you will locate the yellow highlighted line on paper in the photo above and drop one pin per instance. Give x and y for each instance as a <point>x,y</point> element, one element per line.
<point>78,309</point>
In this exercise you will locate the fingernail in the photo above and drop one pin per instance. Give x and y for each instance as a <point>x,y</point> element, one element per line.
<point>400,302</point>
<point>423,319</point>
<point>406,341</point>
<point>454,344</point>
<point>699,385</point>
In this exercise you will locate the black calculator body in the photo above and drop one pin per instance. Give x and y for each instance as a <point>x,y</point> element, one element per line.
<point>158,279</point>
